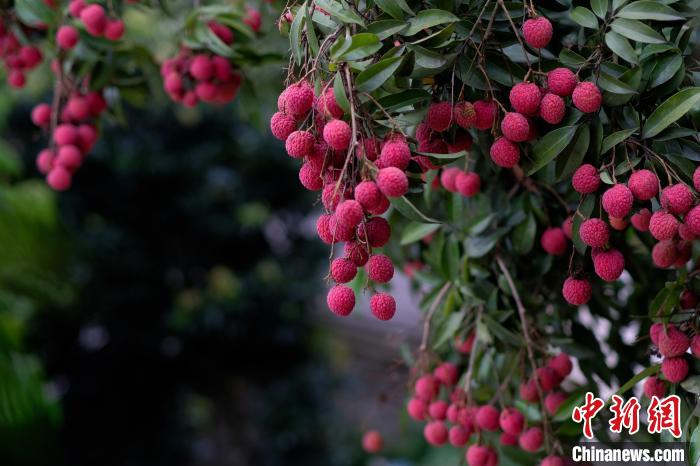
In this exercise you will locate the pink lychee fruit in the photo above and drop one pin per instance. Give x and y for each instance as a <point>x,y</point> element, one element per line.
<point>439,116</point>
<point>553,241</point>
<point>537,32</point>
<point>617,201</point>
<point>525,98</point>
<point>677,199</point>
<point>587,97</point>
<point>380,268</point>
<point>392,182</point>
<point>594,232</point>
<point>341,300</point>
<point>672,342</point>
<point>468,183</point>
<point>383,306</point>
<point>552,109</point>
<point>531,439</point>
<point>644,184</point>
<point>586,179</point>
<point>641,219</point>
<point>561,81</point>
<point>511,421</point>
<point>662,225</point>
<point>485,114</point>
<point>515,127</point>
<point>675,369</point>
<point>504,153</point>
<point>372,442</point>
<point>576,291</point>
<point>654,386</point>
<point>465,114</point>
<point>609,264</point>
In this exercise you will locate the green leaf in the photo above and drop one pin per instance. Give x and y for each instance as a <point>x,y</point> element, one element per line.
<point>614,85</point>
<point>428,18</point>
<point>523,236</point>
<point>360,46</point>
<point>410,211</point>
<point>648,9</point>
<point>35,12</point>
<point>584,17</point>
<point>311,33</point>
<point>376,75</point>
<point>416,231</point>
<point>404,98</point>
<point>665,69</point>
<point>295,35</point>
<point>391,8</point>
<point>450,328</point>
<point>341,11</point>
<point>570,58</point>
<point>479,246</point>
<point>386,28</point>
<point>551,145</point>
<point>574,154</point>
<point>694,446</point>
<point>692,384</point>
<point>600,8</point>
<point>585,210</point>
<point>621,47</point>
<point>636,30</point>
<point>671,110</point>
<point>615,138</point>
<point>636,379</point>
<point>339,93</point>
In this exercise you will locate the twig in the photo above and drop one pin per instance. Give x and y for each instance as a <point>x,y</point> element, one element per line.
<point>429,316</point>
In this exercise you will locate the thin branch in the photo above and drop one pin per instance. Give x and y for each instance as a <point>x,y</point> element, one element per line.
<point>429,316</point>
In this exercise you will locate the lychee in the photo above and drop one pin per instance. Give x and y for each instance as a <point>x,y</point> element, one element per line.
<point>383,306</point>
<point>427,387</point>
<point>41,115</point>
<point>438,410</point>
<point>528,391</point>
<point>68,157</point>
<point>504,153</point>
<point>663,226</point>
<point>561,81</point>
<point>392,182</point>
<point>675,369</point>
<point>553,241</point>
<point>562,364</point>
<point>586,179</point>
<point>677,199</point>
<point>552,460</point>
<point>531,439</point>
<point>114,30</point>
<point>485,114</point>
<point>299,144</point>
<point>576,291</point>
<point>696,179</point>
<point>664,254</point>
<point>695,346</point>
<point>568,226</point>
<point>282,125</point>
<point>525,98</point>
<point>349,213</point>
<point>297,99</point>
<point>343,270</point>
<point>515,127</point>
<point>337,134</point>
<point>487,418</point>
<point>447,373</point>
<point>395,154</point>
<point>537,32</point>
<point>609,264</point>
<point>672,342</point>
<point>357,252</point>
<point>67,37</point>
<point>439,116</point>
<point>644,184</point>
<point>641,220</point>
<point>458,436</point>
<point>94,18</point>
<point>587,97</point>
<point>327,106</point>
<point>367,194</point>
<point>435,433</point>
<point>480,455</point>
<point>655,331</point>
<point>468,183</point>
<point>372,442</point>
<point>594,232</point>
<point>617,201</point>
<point>548,378</point>
<point>507,439</point>
<point>465,114</point>
<point>417,408</point>
<point>654,386</point>
<point>685,234</point>
<point>376,231</point>
<point>382,207</point>
<point>553,400</point>
<point>380,268</point>
<point>448,178</point>
<point>59,178</point>
<point>511,421</point>
<point>341,300</point>
<point>44,161</point>
<point>692,220</point>
<point>310,177</point>
<point>552,109</point>
<point>465,345</point>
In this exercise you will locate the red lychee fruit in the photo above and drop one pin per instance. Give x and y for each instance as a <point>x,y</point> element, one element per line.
<point>586,179</point>
<point>465,345</point>
<point>692,220</point>
<point>587,97</point>
<point>438,410</point>
<point>465,114</point>
<point>68,157</point>
<point>696,179</point>
<point>561,81</point>
<point>392,182</point>
<point>380,268</point>
<point>297,99</point>
<point>67,37</point>
<point>552,460</point>
<point>685,234</point>
<point>94,18</point>
<point>395,154</point>
<point>372,442</point>
<point>323,229</point>
<point>75,7</point>
<point>343,270</point>
<point>41,114</point>
<point>511,421</point>
<point>282,125</point>
<point>654,386</point>
<point>487,418</point>
<point>537,32</point>
<point>299,144</point>
<point>349,213</point>
<point>531,439</point>
<point>222,32</point>
<point>617,201</point>
<point>553,400</point>
<point>485,114</point>
<point>688,300</point>
<point>684,251</point>
<point>644,184</point>
<point>59,178</point>
<point>552,109</point>
<point>447,373</point>
<point>562,364</point>
<point>695,346</point>
<point>548,378</point>
<point>664,254</point>
<point>114,30</point>
<point>677,199</point>
<point>341,300</point>
<point>435,433</point>
<point>528,391</point>
<point>554,241</point>
<point>576,292</point>
<point>568,226</point>
<point>468,183</point>
<point>618,224</point>
<point>337,134</point>
<point>427,387</point>
<point>504,153</point>
<point>507,439</point>
<point>376,231</point>
<point>448,178</point>
<point>672,342</point>
<point>382,207</point>
<point>462,141</point>
<point>480,455</point>
<point>417,408</point>
<point>383,306</point>
<point>525,98</point>
<point>439,116</point>
<point>327,106</point>
<point>675,369</point>
<point>641,220</point>
<point>654,332</point>
<point>515,127</point>
<point>663,226</point>
<point>423,132</point>
<point>44,161</point>
<point>609,264</point>
<point>594,232</point>
<point>357,252</point>
<point>459,436</point>
<point>367,194</point>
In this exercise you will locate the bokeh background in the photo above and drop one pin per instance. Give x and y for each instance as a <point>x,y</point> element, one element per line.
<point>169,308</point>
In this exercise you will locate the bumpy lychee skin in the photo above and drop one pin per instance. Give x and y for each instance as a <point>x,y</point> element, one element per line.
<point>576,292</point>
<point>372,442</point>
<point>343,270</point>
<point>480,455</point>
<point>341,300</point>
<point>417,408</point>
<point>594,232</point>
<point>67,37</point>
<point>282,126</point>
<point>447,373</point>
<point>609,264</point>
<point>383,306</point>
<point>299,144</point>
<point>464,114</point>
<point>684,251</point>
<point>696,179</point>
<point>525,98</point>
<point>511,421</point>
<point>438,410</point>
<point>349,213</point>
<point>435,433</point>
<point>367,194</point>
<point>507,439</point>
<point>586,179</point>
<point>357,252</point>
<point>448,178</point>
<point>552,461</point>
<point>617,201</point>
<point>504,153</point>
<point>654,386</point>
<point>561,81</point>
<point>553,400</point>
<point>485,114</point>
<point>664,254</point>
<point>655,331</point>
<point>94,18</point>
<point>640,220</point>
<point>685,234</point>
<point>468,183</point>
<point>695,346</point>
<point>587,97</point>
<point>297,99</point>
<point>337,134</point>
<point>458,436</point>
<point>644,184</point>
<point>548,378</point>
<point>673,342</point>
<point>531,439</point>
<point>553,241</point>
<point>562,364</point>
<point>380,268</point>
<point>537,32</point>
<point>439,116</point>
<point>675,369</point>
<point>552,109</point>
<point>692,220</point>
<point>327,106</point>
<point>376,231</point>
<point>663,226</point>
<point>395,154</point>
<point>677,199</point>
<point>528,391</point>
<point>392,182</point>
<point>515,127</point>
<point>487,418</point>
<point>688,300</point>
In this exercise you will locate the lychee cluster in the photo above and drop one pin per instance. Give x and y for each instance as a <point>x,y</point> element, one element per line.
<point>71,139</point>
<point>190,77</point>
<point>94,19</point>
<point>672,344</point>
<point>17,59</point>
